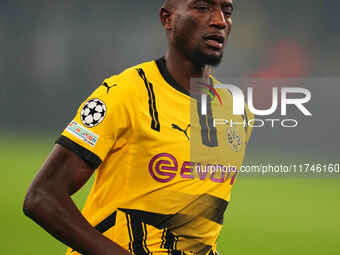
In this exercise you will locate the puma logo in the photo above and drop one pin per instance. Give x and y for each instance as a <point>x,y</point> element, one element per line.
<point>108,87</point>
<point>185,131</point>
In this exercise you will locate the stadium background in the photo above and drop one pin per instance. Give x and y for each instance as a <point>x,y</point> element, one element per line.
<point>53,54</point>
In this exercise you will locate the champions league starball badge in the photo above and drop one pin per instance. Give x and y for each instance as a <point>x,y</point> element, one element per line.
<point>93,112</point>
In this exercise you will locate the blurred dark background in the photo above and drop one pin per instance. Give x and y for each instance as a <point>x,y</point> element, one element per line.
<point>54,53</point>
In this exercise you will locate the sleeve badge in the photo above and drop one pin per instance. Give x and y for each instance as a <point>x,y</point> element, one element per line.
<point>93,112</point>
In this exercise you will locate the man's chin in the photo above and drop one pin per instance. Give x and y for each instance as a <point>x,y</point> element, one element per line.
<point>207,59</point>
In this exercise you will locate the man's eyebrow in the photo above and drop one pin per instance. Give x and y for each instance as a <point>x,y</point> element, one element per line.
<point>228,4</point>
<point>206,1</point>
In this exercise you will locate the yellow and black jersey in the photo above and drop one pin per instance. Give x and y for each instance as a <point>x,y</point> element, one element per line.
<point>159,187</point>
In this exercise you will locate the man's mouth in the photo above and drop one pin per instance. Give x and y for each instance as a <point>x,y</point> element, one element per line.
<point>215,41</point>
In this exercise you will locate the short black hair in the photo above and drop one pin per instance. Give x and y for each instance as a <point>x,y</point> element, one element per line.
<point>170,3</point>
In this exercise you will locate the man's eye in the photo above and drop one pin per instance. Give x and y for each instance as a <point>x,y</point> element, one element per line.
<point>202,8</point>
<point>227,12</point>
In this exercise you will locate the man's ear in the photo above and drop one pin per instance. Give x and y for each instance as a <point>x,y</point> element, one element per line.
<point>166,18</point>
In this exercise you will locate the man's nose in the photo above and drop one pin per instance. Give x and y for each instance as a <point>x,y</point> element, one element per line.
<point>218,19</point>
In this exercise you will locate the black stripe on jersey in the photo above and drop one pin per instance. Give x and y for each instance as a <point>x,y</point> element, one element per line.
<point>137,234</point>
<point>155,125</point>
<point>145,237</point>
<point>245,118</point>
<point>177,252</point>
<point>208,131</point>
<point>107,223</point>
<point>92,160</point>
<point>129,231</point>
<point>169,241</point>
<point>163,238</point>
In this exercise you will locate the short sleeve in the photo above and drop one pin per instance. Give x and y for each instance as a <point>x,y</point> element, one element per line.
<point>99,122</point>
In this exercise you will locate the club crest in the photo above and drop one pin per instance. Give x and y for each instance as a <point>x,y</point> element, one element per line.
<point>234,139</point>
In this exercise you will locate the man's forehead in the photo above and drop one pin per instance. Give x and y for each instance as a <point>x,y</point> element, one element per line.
<point>177,3</point>
<point>221,2</point>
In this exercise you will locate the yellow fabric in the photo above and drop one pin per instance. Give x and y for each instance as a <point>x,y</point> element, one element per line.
<point>131,152</point>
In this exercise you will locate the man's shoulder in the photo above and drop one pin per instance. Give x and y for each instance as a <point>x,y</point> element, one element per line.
<point>127,87</point>
<point>131,76</point>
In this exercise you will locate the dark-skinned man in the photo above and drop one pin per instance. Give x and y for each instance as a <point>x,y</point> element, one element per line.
<point>136,131</point>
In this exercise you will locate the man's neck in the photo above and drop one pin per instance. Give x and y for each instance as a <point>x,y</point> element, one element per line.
<point>182,69</point>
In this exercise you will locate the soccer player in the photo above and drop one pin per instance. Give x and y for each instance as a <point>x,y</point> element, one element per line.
<point>152,194</point>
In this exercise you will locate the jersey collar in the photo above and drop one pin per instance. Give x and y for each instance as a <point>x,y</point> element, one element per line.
<point>168,77</point>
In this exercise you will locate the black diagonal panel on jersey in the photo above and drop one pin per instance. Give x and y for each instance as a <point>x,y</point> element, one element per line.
<point>170,222</point>
<point>107,223</point>
<point>205,205</point>
<point>156,220</point>
<point>202,206</point>
<point>155,125</point>
<point>210,207</point>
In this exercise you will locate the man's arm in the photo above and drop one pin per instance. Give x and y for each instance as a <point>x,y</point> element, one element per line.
<point>48,202</point>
